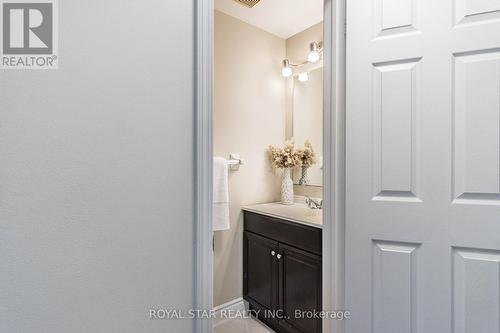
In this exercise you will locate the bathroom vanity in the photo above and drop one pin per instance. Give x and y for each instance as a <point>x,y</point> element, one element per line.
<point>282,265</point>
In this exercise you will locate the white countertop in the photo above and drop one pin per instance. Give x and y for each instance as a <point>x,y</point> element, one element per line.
<point>298,212</point>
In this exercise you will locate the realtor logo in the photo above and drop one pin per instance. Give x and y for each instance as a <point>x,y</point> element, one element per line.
<point>29,34</point>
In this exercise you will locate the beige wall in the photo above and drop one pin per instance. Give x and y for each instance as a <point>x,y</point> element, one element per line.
<point>249,114</point>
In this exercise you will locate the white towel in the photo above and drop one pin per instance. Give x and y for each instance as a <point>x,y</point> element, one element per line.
<point>220,195</point>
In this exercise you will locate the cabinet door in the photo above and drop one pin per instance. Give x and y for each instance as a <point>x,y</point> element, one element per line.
<point>300,289</point>
<point>260,272</point>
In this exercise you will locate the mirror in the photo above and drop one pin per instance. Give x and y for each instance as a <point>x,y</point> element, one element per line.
<point>307,117</point>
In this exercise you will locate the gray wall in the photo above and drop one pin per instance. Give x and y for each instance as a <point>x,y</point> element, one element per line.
<point>96,162</point>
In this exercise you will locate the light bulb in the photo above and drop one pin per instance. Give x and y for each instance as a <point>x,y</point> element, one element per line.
<point>313,56</point>
<point>303,77</point>
<point>286,71</point>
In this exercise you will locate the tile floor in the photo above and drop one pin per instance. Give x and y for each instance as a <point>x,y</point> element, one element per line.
<point>245,325</point>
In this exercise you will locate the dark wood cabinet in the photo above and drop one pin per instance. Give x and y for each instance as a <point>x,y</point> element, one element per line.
<point>282,273</point>
<point>261,269</point>
<point>300,289</point>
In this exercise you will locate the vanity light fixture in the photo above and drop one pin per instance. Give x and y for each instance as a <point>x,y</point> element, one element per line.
<point>303,77</point>
<point>315,52</point>
<point>286,71</point>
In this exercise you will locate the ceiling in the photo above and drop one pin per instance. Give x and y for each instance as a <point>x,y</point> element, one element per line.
<point>283,18</point>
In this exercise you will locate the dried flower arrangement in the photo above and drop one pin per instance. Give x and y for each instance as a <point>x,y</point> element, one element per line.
<point>286,157</point>
<point>307,155</point>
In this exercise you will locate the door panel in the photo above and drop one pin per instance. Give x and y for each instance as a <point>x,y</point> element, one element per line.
<point>396,111</point>
<point>300,288</point>
<point>394,286</point>
<point>476,126</point>
<point>477,308</point>
<point>423,166</point>
<point>260,278</point>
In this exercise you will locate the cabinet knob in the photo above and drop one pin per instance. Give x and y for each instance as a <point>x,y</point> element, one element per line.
<point>278,256</point>
<point>273,253</point>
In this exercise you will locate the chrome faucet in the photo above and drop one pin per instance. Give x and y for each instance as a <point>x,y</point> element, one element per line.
<point>314,204</point>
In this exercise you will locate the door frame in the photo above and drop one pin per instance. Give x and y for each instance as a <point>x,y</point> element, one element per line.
<point>333,161</point>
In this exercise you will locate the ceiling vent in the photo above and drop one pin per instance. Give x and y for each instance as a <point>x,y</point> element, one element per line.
<point>248,3</point>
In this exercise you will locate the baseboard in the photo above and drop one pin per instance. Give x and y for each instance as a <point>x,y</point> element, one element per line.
<point>237,304</point>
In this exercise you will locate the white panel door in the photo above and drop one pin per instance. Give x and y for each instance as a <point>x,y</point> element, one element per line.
<point>423,166</point>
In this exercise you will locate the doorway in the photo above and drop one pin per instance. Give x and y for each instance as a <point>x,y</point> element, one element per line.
<point>332,153</point>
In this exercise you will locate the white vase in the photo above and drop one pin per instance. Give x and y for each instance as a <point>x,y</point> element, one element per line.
<point>287,188</point>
